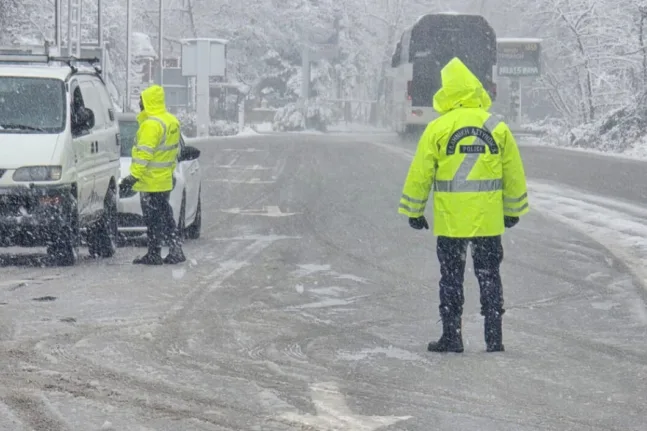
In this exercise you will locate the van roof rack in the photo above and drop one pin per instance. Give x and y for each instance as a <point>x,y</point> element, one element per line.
<point>25,54</point>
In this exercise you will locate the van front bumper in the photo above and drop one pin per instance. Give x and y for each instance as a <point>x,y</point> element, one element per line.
<point>32,216</point>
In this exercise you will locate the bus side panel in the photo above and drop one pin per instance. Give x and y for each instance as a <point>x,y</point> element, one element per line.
<point>401,103</point>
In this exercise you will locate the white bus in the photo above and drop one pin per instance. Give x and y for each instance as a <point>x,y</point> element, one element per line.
<point>423,50</point>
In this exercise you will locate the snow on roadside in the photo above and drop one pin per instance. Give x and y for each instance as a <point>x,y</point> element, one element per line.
<point>356,128</point>
<point>637,152</point>
<point>620,227</point>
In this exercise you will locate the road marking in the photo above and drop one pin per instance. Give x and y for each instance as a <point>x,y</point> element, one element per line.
<point>250,181</point>
<point>244,167</point>
<point>246,150</point>
<point>333,412</point>
<point>267,211</point>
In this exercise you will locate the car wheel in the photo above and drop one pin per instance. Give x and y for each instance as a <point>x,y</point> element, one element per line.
<point>102,236</point>
<point>193,231</point>
<point>64,248</point>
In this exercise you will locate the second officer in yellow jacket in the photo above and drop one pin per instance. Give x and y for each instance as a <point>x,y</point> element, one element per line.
<point>472,162</point>
<point>154,158</point>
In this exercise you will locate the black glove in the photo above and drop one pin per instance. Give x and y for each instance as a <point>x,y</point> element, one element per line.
<point>509,221</point>
<point>127,183</point>
<point>418,223</point>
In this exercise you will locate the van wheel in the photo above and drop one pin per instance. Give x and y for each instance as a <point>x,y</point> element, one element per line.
<point>102,236</point>
<point>181,223</point>
<point>64,248</point>
<point>193,231</point>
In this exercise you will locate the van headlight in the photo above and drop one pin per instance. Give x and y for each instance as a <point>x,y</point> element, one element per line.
<point>38,173</point>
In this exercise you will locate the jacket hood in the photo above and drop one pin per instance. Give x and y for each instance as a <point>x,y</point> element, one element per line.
<point>460,89</point>
<point>153,98</point>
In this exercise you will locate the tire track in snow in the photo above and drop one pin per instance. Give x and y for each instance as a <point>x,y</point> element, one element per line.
<point>35,412</point>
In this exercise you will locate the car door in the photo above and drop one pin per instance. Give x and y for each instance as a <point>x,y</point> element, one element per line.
<point>99,140</point>
<point>191,171</point>
<point>81,141</point>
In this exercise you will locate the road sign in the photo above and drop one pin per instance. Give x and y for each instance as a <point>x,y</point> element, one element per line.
<point>518,57</point>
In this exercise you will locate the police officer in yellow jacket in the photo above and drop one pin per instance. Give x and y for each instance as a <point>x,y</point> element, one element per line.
<point>154,158</point>
<point>479,188</point>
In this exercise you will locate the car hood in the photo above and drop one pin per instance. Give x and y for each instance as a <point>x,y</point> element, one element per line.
<point>125,166</point>
<point>20,149</point>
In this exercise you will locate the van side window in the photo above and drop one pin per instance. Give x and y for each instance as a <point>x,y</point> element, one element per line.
<point>75,108</point>
<point>93,101</point>
<point>102,91</point>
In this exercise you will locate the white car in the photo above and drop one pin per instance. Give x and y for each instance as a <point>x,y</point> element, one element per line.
<point>185,196</point>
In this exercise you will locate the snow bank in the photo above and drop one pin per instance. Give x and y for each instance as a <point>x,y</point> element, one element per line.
<point>623,130</point>
<point>620,227</point>
<point>551,127</point>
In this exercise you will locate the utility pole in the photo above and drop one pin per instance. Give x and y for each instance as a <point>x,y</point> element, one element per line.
<point>161,42</point>
<point>57,23</point>
<point>74,11</point>
<point>129,54</point>
<point>99,24</point>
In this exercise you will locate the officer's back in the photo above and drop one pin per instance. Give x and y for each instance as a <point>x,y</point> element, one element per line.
<point>471,180</point>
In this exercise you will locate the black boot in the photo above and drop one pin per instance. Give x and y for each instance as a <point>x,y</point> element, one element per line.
<point>494,332</point>
<point>153,257</point>
<point>452,338</point>
<point>175,256</point>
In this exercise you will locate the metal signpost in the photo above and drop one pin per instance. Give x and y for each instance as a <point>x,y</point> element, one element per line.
<point>129,52</point>
<point>203,58</point>
<point>518,58</point>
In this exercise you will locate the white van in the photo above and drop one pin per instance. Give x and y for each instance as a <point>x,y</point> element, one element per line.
<point>59,158</point>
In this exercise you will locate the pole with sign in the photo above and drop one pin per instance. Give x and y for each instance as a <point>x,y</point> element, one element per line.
<point>204,58</point>
<point>518,58</point>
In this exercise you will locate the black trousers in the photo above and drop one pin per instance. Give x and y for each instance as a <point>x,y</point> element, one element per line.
<point>487,254</point>
<point>158,217</point>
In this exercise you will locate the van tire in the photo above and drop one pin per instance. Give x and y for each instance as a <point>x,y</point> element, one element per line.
<point>64,248</point>
<point>103,235</point>
<point>193,231</point>
<point>181,221</point>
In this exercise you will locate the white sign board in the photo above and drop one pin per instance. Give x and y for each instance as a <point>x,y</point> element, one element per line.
<point>196,51</point>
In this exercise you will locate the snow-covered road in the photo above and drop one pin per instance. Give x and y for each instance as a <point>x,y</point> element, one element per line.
<point>308,304</point>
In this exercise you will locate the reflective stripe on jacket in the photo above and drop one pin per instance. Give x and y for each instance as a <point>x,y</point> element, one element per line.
<point>470,158</point>
<point>154,156</point>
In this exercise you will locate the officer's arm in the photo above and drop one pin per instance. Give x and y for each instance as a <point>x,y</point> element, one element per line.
<point>148,137</point>
<point>420,177</point>
<point>515,194</point>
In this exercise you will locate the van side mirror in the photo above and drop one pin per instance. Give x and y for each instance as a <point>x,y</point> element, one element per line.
<point>188,153</point>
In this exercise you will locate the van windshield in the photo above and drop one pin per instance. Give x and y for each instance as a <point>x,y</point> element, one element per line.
<point>32,105</point>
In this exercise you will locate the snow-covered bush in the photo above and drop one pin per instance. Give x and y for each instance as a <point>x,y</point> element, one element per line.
<point>617,131</point>
<point>290,118</point>
<point>550,127</point>
<point>188,123</point>
<point>222,128</point>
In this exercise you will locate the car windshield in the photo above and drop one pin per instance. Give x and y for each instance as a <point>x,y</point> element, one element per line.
<point>32,105</point>
<point>128,132</point>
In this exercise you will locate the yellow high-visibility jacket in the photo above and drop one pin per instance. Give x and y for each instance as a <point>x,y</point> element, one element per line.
<point>154,156</point>
<point>470,158</point>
